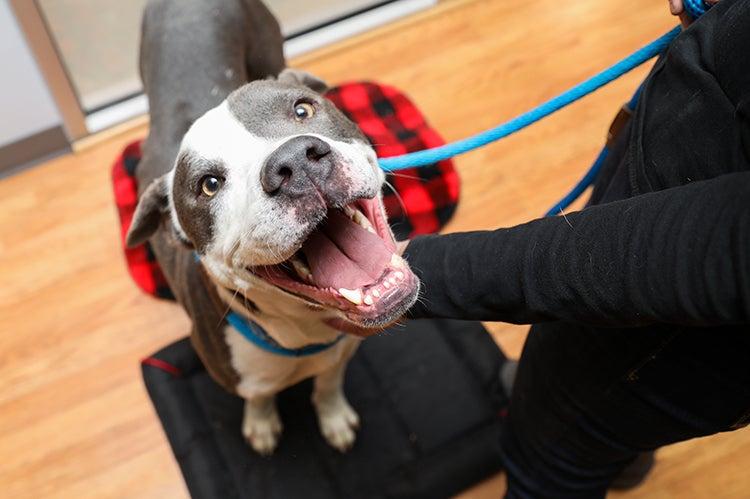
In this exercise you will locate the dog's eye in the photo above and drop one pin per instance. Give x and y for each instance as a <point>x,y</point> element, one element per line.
<point>210,185</point>
<point>303,111</point>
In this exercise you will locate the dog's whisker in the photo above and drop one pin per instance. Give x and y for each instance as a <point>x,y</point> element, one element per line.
<point>274,255</point>
<point>226,311</point>
<point>403,175</point>
<point>398,196</point>
<point>231,254</point>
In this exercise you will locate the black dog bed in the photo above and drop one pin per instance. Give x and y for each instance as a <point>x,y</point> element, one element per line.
<point>428,395</point>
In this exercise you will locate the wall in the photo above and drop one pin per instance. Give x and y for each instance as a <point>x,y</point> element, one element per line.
<point>26,106</point>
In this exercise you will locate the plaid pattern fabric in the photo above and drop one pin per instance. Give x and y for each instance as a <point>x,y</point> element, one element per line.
<point>141,261</point>
<point>395,126</point>
<point>417,200</point>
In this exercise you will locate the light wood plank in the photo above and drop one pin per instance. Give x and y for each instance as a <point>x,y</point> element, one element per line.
<point>75,420</point>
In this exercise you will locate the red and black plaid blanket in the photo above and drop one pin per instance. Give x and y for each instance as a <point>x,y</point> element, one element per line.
<point>424,198</point>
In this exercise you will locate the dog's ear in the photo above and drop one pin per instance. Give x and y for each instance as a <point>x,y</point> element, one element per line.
<point>152,206</point>
<point>299,77</point>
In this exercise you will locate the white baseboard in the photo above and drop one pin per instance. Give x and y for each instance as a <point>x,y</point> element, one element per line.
<point>351,26</point>
<point>116,113</point>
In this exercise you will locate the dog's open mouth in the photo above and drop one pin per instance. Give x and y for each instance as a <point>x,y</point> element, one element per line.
<point>349,262</point>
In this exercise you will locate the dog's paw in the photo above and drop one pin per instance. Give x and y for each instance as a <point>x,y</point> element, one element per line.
<point>262,432</point>
<point>338,423</point>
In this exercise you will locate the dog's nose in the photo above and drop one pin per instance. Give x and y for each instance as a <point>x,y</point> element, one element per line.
<point>296,166</point>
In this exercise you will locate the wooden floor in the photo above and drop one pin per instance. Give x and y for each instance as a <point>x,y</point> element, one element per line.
<point>75,420</point>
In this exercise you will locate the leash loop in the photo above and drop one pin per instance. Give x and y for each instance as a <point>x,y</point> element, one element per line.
<point>695,8</point>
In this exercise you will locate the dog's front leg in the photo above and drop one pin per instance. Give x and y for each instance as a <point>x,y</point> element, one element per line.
<point>336,417</point>
<point>261,425</point>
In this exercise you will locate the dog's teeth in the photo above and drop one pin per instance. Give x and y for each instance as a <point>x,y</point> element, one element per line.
<point>397,261</point>
<point>386,284</point>
<point>368,300</point>
<point>302,270</point>
<point>353,295</point>
<point>362,220</point>
<point>376,293</point>
<point>399,274</point>
<point>359,218</point>
<point>392,280</point>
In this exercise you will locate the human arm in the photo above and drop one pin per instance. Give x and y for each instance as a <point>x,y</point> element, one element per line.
<point>681,256</point>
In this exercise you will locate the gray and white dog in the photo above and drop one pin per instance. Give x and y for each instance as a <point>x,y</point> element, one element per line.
<point>249,167</point>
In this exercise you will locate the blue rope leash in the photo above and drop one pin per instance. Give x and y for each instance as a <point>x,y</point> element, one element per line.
<point>694,8</point>
<point>434,155</point>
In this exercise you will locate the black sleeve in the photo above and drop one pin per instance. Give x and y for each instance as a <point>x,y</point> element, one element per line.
<point>680,256</point>
<point>730,58</point>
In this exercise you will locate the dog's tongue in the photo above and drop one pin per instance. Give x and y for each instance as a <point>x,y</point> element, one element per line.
<point>342,254</point>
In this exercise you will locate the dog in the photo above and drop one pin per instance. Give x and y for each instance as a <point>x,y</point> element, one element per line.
<point>259,197</point>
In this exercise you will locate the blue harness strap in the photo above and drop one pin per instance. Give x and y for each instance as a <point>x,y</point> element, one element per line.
<point>258,337</point>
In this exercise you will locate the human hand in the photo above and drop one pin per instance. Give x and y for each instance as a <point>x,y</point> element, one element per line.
<point>677,8</point>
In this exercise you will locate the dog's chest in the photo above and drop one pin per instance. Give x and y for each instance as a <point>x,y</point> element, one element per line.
<point>263,373</point>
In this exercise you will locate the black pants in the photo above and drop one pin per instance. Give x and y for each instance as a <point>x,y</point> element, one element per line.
<point>584,405</point>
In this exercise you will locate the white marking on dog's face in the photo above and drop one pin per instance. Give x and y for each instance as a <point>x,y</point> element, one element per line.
<point>240,225</point>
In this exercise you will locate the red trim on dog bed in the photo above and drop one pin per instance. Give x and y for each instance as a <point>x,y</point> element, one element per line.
<point>162,365</point>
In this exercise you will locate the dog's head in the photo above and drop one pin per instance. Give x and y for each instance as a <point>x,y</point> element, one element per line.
<point>277,190</point>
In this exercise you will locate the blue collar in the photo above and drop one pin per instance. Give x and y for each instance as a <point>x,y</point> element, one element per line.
<point>261,339</point>
<point>258,337</point>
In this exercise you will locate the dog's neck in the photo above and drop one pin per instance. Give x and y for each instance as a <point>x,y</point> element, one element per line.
<point>290,322</point>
